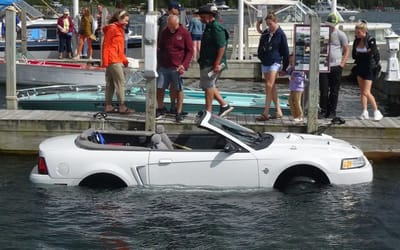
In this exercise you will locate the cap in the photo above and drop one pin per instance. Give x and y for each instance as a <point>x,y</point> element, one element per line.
<point>174,5</point>
<point>333,18</point>
<point>208,9</point>
<point>66,11</point>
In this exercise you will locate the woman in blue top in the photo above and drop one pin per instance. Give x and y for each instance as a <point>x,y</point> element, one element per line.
<point>273,51</point>
<point>196,29</point>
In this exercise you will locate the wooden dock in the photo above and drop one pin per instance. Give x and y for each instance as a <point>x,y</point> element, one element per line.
<point>21,131</point>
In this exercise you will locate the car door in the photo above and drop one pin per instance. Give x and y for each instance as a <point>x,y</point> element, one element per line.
<point>203,167</point>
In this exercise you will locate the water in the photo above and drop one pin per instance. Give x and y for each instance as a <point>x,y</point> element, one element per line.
<point>363,216</point>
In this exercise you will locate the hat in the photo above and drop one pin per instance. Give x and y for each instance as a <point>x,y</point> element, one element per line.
<point>66,11</point>
<point>333,18</point>
<point>207,9</point>
<point>174,5</point>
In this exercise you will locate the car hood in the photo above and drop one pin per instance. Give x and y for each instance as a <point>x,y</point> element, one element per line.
<point>322,142</point>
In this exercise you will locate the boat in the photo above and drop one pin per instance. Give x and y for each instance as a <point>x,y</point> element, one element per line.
<point>324,8</point>
<point>92,98</point>
<point>221,5</point>
<point>42,41</point>
<point>46,72</point>
<point>42,72</point>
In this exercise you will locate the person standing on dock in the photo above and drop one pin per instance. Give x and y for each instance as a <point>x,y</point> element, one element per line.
<point>86,27</point>
<point>366,56</point>
<point>212,58</point>
<point>329,83</point>
<point>196,29</point>
<point>175,52</point>
<point>296,86</point>
<point>65,27</point>
<point>273,51</point>
<point>114,59</point>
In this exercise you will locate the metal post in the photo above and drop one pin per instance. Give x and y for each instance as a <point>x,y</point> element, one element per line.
<point>24,47</point>
<point>241,17</point>
<point>11,80</point>
<point>313,93</point>
<point>150,68</point>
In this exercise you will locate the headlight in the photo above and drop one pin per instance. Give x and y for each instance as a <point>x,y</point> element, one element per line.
<point>350,163</point>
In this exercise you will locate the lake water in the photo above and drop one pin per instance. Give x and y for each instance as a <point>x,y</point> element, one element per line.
<point>363,216</point>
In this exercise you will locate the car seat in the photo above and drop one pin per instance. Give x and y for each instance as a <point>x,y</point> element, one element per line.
<point>164,137</point>
<point>156,142</point>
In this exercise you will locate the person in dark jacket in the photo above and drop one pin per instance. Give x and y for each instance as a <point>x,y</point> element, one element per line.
<point>366,57</point>
<point>273,51</point>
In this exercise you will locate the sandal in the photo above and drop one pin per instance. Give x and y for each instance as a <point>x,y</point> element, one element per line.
<point>262,118</point>
<point>276,116</point>
<point>126,111</point>
<point>114,110</point>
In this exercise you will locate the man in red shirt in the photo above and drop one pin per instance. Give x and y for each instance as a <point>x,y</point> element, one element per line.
<point>175,52</point>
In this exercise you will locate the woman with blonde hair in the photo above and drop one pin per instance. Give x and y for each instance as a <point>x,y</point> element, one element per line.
<point>273,51</point>
<point>86,28</point>
<point>366,56</point>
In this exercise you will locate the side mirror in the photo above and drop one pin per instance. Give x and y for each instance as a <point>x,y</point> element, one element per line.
<point>230,148</point>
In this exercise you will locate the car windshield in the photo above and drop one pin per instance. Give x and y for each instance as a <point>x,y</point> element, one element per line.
<point>243,134</point>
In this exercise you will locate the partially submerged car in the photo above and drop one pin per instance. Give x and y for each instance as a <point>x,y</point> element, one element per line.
<point>220,154</point>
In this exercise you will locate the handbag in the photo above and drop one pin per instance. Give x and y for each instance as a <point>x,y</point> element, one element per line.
<point>93,37</point>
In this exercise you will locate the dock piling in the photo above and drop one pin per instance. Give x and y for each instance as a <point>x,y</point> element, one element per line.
<point>11,82</point>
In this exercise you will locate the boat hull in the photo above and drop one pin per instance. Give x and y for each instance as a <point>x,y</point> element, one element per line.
<point>50,73</point>
<point>193,102</point>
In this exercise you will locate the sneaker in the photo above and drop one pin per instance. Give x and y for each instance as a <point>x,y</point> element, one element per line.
<point>364,115</point>
<point>377,115</point>
<point>160,113</point>
<point>178,117</point>
<point>321,115</point>
<point>223,111</point>
<point>331,114</point>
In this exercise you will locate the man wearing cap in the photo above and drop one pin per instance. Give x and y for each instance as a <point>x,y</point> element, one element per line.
<point>65,27</point>
<point>329,83</point>
<point>212,58</point>
<point>173,9</point>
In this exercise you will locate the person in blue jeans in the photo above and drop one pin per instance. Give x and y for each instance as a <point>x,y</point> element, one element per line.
<point>65,27</point>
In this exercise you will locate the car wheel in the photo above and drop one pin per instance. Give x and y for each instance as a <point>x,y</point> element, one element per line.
<point>301,177</point>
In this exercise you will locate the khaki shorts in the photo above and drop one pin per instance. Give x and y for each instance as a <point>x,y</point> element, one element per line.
<point>207,82</point>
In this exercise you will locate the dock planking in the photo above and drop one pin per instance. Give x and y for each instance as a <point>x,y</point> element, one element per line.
<point>21,131</point>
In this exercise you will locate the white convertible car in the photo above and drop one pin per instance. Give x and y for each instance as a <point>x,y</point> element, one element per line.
<point>220,154</point>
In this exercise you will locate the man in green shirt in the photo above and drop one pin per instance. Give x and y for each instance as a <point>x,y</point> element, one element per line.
<point>212,57</point>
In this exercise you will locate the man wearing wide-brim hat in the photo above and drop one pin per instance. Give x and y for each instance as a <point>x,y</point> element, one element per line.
<point>212,58</point>
<point>329,83</point>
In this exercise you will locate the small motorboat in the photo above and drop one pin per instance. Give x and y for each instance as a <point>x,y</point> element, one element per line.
<point>91,98</point>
